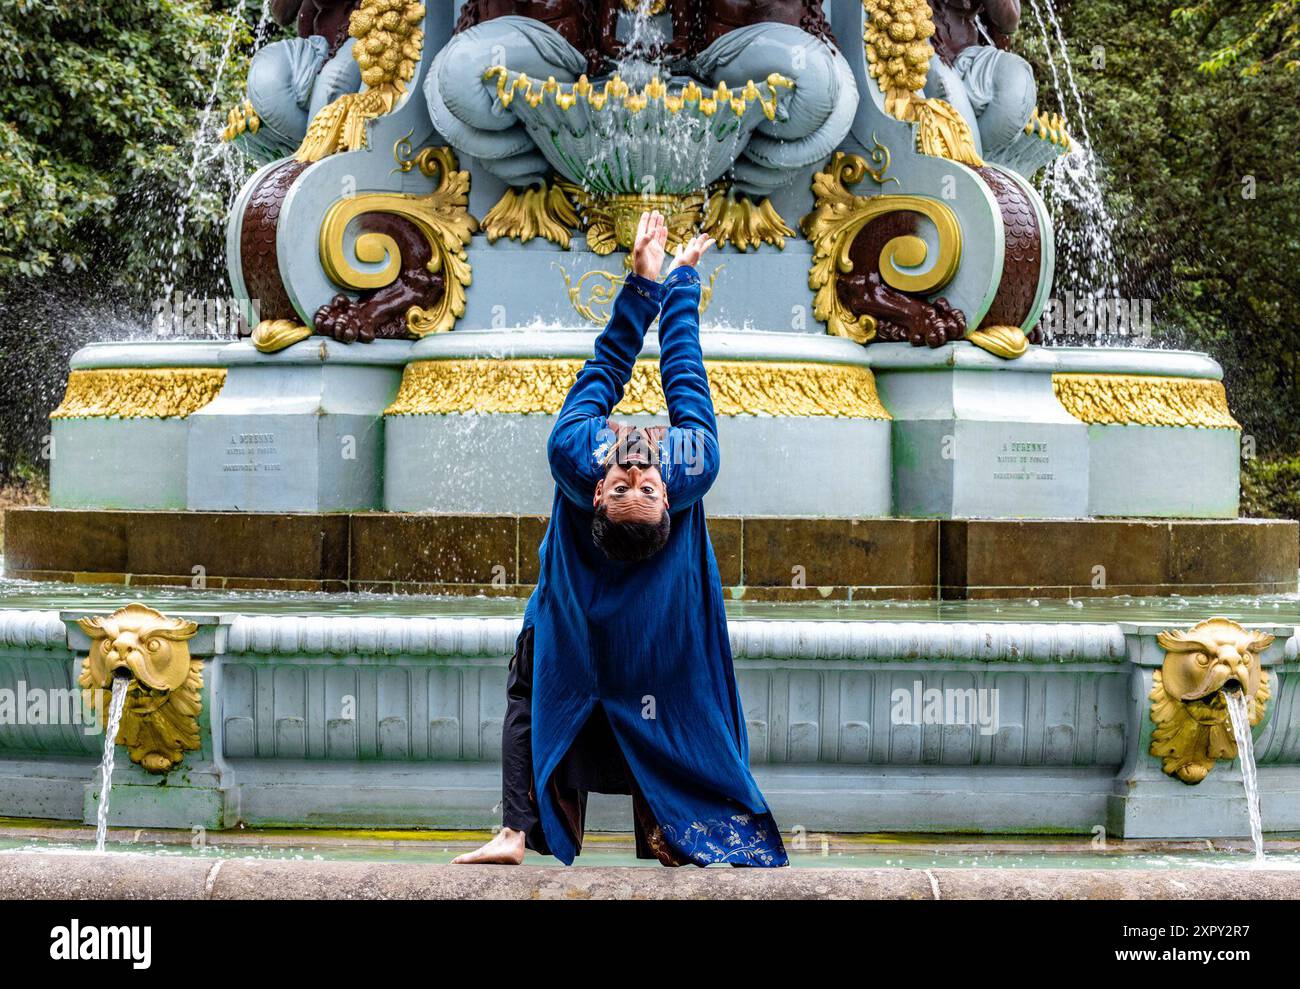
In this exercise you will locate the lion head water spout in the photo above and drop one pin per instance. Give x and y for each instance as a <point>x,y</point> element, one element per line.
<point>1207,696</point>
<point>151,652</point>
<point>1203,669</point>
<point>121,682</point>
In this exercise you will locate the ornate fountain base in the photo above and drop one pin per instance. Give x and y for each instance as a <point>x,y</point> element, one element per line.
<point>810,425</point>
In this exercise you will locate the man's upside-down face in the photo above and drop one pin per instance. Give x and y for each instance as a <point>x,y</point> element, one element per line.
<point>630,520</point>
<point>632,493</point>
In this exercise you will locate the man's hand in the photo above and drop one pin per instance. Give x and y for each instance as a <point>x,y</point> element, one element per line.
<point>648,250</point>
<point>690,254</point>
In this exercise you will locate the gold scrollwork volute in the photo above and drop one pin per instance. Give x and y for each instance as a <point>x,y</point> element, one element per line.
<point>443,219</point>
<point>1193,729</point>
<point>840,216</point>
<point>163,701</point>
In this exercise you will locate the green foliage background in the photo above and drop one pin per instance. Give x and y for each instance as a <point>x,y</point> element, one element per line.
<point>1195,112</point>
<point>1191,106</point>
<point>103,195</point>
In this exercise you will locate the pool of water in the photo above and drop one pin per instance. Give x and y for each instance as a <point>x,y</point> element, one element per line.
<point>619,852</point>
<point>1281,609</point>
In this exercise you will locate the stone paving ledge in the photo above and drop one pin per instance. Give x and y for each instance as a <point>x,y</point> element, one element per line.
<point>129,876</point>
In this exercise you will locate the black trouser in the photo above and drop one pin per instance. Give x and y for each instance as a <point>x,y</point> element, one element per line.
<point>593,764</point>
<point>518,802</point>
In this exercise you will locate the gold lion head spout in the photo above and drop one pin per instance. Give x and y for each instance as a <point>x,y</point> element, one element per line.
<point>1188,702</point>
<point>163,698</point>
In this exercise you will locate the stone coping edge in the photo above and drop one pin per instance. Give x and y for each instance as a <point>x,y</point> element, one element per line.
<point>752,639</point>
<point>757,345</point>
<point>130,876</point>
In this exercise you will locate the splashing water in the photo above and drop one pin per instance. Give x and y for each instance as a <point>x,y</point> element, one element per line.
<point>115,707</point>
<point>1072,187</point>
<point>636,65</point>
<point>215,165</point>
<point>1249,778</point>
<point>676,148</point>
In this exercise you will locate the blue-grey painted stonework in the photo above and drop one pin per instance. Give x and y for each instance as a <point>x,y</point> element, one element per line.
<point>978,444</point>
<point>525,287</point>
<point>975,436</point>
<point>89,465</point>
<point>495,462</point>
<point>427,456</point>
<point>388,722</point>
<point>301,430</point>
<point>1125,480</point>
<point>88,455</point>
<point>971,435</point>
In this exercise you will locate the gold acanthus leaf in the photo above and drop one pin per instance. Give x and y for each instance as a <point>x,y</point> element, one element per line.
<point>1144,400</point>
<point>538,211</point>
<point>523,386</point>
<point>139,392</point>
<point>736,220</point>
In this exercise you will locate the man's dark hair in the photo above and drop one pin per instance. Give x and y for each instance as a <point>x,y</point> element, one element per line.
<point>629,542</point>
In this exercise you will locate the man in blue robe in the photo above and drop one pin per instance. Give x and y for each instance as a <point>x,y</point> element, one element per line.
<point>622,679</point>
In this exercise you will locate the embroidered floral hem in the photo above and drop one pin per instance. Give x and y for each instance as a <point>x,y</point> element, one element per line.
<point>741,839</point>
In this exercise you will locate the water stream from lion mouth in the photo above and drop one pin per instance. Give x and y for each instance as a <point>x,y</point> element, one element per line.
<point>120,685</point>
<point>1246,753</point>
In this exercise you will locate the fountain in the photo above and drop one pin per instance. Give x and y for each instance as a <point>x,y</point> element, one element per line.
<point>925,513</point>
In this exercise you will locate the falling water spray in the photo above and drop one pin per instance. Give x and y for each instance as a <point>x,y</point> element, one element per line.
<point>114,721</point>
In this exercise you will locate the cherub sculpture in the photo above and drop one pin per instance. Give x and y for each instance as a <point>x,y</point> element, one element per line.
<point>544,38</point>
<point>288,81</point>
<point>734,41</point>
<point>681,41</point>
<point>992,88</point>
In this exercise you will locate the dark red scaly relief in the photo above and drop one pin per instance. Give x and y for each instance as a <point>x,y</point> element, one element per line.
<point>257,255</point>
<point>1023,259</point>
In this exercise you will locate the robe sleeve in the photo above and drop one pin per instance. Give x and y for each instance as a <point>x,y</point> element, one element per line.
<point>692,440</point>
<point>598,388</point>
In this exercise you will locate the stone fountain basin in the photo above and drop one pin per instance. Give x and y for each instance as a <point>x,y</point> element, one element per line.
<point>1068,751</point>
<point>612,139</point>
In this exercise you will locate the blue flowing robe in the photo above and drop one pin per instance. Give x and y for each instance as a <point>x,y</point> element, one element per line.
<point>647,641</point>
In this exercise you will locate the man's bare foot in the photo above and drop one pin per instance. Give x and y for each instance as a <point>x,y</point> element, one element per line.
<point>505,848</point>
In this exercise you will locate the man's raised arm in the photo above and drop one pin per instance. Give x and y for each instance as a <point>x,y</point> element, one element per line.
<point>693,438</point>
<point>600,382</point>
